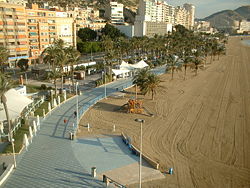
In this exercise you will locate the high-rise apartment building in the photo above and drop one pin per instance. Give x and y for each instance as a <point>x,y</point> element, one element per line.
<point>158,13</point>
<point>27,31</point>
<point>191,11</point>
<point>115,13</point>
<point>181,17</point>
<point>152,18</point>
<point>13,31</point>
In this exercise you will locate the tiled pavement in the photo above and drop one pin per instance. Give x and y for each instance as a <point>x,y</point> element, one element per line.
<point>50,160</point>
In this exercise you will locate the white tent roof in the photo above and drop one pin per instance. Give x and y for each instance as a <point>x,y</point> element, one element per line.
<point>125,66</point>
<point>141,64</point>
<point>15,103</point>
<point>119,71</point>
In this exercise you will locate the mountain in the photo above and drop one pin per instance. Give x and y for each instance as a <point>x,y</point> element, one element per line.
<point>244,11</point>
<point>228,20</point>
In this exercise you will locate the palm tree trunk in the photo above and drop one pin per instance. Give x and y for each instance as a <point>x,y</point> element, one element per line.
<point>4,101</point>
<point>172,73</point>
<point>152,94</point>
<point>62,85</point>
<point>185,67</point>
<point>196,70</point>
<point>55,87</point>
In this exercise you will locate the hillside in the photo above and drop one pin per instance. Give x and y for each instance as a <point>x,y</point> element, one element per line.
<point>228,20</point>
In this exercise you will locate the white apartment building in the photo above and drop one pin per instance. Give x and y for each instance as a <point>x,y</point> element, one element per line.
<point>191,11</point>
<point>114,12</point>
<point>181,16</point>
<point>244,27</point>
<point>160,12</point>
<point>65,28</point>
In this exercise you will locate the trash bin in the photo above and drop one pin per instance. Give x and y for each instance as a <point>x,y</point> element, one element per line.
<point>104,178</point>
<point>93,171</point>
<point>170,171</point>
<point>71,136</point>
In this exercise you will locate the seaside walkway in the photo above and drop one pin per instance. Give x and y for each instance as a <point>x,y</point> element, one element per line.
<point>51,160</point>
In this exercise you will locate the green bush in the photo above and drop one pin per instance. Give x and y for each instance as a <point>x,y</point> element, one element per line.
<point>43,87</point>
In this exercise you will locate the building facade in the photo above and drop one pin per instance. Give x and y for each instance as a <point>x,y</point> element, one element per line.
<point>156,16</point>
<point>13,31</point>
<point>244,27</point>
<point>114,12</point>
<point>27,31</point>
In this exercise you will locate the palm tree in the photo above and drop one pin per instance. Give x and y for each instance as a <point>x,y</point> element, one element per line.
<point>5,85</point>
<point>197,60</point>
<point>73,57</point>
<point>4,54</point>
<point>141,77</point>
<point>172,63</point>
<point>151,84</point>
<point>108,46</point>
<point>147,82</point>
<point>50,55</point>
<point>186,60</point>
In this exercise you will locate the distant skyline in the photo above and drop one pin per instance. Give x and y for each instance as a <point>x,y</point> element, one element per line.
<point>205,8</point>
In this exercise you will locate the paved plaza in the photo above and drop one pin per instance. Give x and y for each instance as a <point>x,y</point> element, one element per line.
<point>52,160</point>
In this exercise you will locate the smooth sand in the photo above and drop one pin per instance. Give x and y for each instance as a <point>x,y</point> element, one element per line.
<point>200,127</point>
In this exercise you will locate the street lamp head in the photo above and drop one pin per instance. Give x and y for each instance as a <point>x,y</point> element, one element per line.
<point>140,120</point>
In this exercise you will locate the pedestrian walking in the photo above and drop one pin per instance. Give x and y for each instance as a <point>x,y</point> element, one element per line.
<point>65,120</point>
<point>75,114</point>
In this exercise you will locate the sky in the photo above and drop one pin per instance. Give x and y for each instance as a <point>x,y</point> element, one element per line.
<point>205,8</point>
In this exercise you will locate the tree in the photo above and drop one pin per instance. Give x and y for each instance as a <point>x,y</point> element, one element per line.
<point>112,32</point>
<point>87,34</point>
<point>140,78</point>
<point>147,82</point>
<point>23,64</point>
<point>5,85</point>
<point>197,60</point>
<point>50,56</point>
<point>172,61</point>
<point>151,84</point>
<point>73,57</point>
<point>4,54</point>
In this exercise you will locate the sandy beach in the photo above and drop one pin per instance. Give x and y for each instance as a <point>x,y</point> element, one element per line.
<point>200,126</point>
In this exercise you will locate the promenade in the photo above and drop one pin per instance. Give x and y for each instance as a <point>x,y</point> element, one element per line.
<point>51,160</point>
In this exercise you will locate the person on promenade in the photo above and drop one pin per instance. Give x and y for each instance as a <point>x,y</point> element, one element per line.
<point>75,114</point>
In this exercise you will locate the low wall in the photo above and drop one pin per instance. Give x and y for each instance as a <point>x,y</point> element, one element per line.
<point>6,173</point>
<point>146,158</point>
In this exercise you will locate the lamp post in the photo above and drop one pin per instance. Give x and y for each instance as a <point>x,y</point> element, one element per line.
<point>104,72</point>
<point>105,88</point>
<point>77,117</point>
<point>13,148</point>
<point>141,121</point>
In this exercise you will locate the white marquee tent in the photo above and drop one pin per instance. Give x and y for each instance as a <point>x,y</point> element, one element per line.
<point>125,68</point>
<point>140,65</point>
<point>15,103</point>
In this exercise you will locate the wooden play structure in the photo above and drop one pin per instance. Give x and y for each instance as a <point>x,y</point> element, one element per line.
<point>135,106</point>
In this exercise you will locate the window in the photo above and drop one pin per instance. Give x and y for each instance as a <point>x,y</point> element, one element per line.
<point>31,20</point>
<point>33,40</point>
<point>31,13</point>
<point>19,23</point>
<point>20,30</point>
<point>41,14</point>
<point>52,27</point>
<point>51,21</point>
<point>32,33</point>
<point>32,27</point>
<point>33,47</point>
